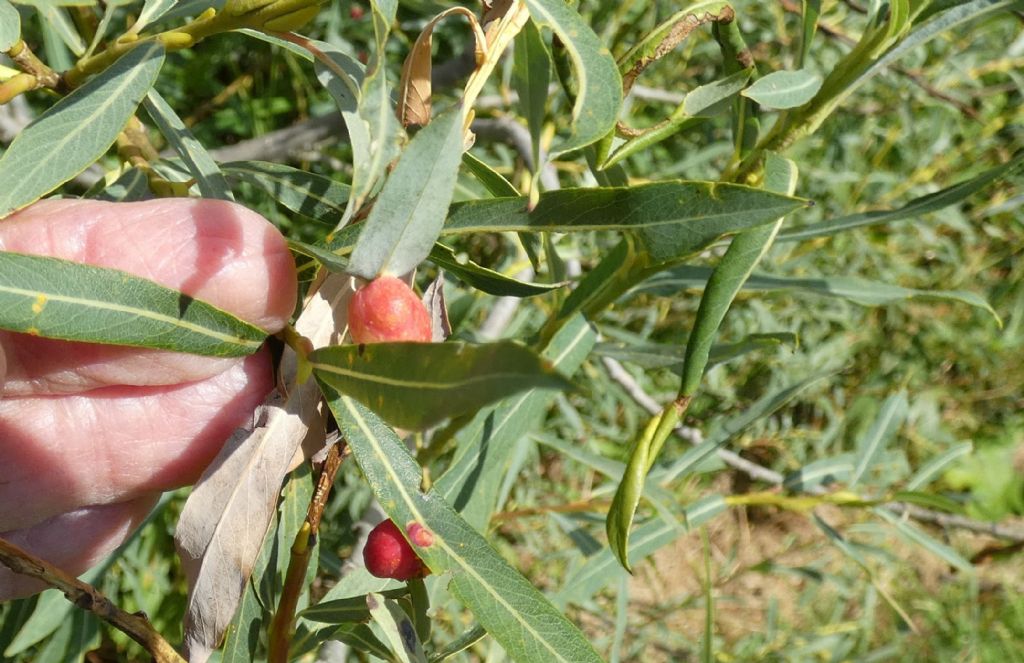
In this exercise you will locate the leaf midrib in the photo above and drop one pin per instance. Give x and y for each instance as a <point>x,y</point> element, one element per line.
<point>417,384</point>
<point>139,312</point>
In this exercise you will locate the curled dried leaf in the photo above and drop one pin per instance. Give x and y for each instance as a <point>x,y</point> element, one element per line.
<point>415,88</point>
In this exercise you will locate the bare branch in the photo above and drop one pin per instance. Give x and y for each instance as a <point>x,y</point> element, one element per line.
<point>87,597</point>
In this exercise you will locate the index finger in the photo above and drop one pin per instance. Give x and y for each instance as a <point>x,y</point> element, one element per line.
<point>212,250</point>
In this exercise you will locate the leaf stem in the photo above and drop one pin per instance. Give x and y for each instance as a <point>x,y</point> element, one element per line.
<point>85,596</point>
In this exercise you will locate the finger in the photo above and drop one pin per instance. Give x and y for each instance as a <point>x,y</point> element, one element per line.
<point>73,542</point>
<point>114,444</point>
<point>212,250</point>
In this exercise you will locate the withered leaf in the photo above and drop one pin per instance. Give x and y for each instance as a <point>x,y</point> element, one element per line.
<point>227,515</point>
<point>415,89</point>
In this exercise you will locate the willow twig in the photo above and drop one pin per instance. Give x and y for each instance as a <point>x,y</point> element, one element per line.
<point>281,624</point>
<point>85,596</point>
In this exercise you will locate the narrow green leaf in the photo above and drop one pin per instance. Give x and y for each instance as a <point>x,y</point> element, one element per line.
<point>493,181</point>
<point>612,469</point>
<point>809,12</point>
<point>676,123</point>
<point>375,135</point>
<point>485,444</point>
<point>200,164</point>
<point>384,14</point>
<point>733,426</point>
<point>915,535</point>
<point>339,611</point>
<point>291,47</point>
<point>600,86</point>
<point>928,500</point>
<point>60,299</point>
<point>531,75</point>
<point>744,253</point>
<point>397,627</point>
<point>664,355</point>
<point>825,471</point>
<point>621,618</point>
<point>343,80</point>
<point>707,99</point>
<point>10,25</point>
<point>295,498</point>
<point>131,185</point>
<point>76,130</point>
<point>315,196</point>
<point>708,641</point>
<point>152,10</point>
<point>603,568</point>
<point>409,213</point>
<point>784,89</point>
<point>503,601</point>
<point>839,541</point>
<point>76,636</point>
<point>961,13</point>
<point>486,280</point>
<point>927,472</point>
<point>353,586</point>
<point>417,385</point>
<point>890,417</point>
<point>363,97</point>
<point>242,637</point>
<point>931,202</point>
<point>699,104</point>
<point>57,20</point>
<point>55,51</point>
<point>672,219</point>
<point>855,289</point>
<point>15,614</point>
<point>332,261</point>
<point>459,644</point>
<point>361,638</point>
<point>52,609</point>
<point>644,452</point>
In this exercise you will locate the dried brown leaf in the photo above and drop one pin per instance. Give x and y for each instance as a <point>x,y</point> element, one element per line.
<point>433,299</point>
<point>415,90</point>
<point>227,515</point>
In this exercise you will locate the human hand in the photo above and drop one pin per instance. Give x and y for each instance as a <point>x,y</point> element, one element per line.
<point>90,435</point>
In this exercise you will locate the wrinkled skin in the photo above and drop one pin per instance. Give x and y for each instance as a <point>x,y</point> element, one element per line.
<point>90,435</point>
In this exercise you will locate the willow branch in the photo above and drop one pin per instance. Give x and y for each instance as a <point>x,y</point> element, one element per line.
<point>85,596</point>
<point>302,549</point>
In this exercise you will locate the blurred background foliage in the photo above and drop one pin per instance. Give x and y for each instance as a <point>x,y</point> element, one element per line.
<point>787,587</point>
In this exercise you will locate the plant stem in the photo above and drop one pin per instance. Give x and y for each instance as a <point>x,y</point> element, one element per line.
<point>17,84</point>
<point>27,61</point>
<point>87,597</point>
<point>800,502</point>
<point>280,631</point>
